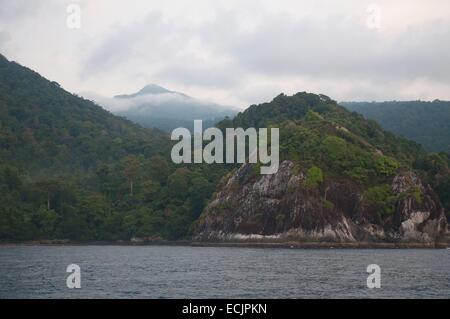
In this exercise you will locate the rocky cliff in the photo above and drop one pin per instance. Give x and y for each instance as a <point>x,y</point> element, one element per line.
<point>341,179</point>
<point>283,207</point>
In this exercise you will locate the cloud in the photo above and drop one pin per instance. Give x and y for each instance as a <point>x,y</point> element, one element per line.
<point>12,10</point>
<point>237,53</point>
<point>4,37</point>
<point>153,102</point>
<point>344,49</point>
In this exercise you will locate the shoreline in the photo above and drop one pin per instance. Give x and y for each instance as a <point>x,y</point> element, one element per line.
<point>249,244</point>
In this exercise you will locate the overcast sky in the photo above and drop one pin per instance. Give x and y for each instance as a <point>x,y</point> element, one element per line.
<point>237,52</point>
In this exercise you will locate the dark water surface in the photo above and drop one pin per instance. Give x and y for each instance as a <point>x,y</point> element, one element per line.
<point>200,272</point>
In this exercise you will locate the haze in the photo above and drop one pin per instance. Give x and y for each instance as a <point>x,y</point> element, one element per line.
<point>236,52</point>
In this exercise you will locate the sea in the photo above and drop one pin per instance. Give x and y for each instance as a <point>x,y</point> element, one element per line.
<point>129,272</point>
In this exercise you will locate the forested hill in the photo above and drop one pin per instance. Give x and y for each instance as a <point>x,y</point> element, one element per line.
<point>44,128</point>
<point>318,133</point>
<point>341,178</point>
<point>427,123</point>
<point>71,170</point>
<point>307,106</point>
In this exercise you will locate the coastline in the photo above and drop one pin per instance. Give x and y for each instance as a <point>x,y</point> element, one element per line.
<point>235,244</point>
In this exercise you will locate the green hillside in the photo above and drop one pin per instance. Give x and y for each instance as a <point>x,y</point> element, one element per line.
<point>44,128</point>
<point>427,123</point>
<point>327,141</point>
<point>71,170</point>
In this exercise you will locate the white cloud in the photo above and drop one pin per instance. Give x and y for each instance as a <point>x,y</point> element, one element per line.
<point>149,101</point>
<point>236,52</point>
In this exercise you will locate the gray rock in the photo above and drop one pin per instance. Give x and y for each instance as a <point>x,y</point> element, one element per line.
<point>280,207</point>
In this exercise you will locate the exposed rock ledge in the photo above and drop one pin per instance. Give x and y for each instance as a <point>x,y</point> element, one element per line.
<point>279,208</point>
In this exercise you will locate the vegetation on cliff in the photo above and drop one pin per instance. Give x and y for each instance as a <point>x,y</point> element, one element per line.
<point>332,150</point>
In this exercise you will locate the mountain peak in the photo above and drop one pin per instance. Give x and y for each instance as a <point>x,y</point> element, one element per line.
<point>153,89</point>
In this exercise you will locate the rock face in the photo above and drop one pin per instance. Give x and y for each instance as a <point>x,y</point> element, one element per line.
<point>421,221</point>
<point>280,207</point>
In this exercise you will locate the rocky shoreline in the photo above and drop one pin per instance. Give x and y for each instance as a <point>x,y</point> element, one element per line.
<point>242,244</point>
<point>282,208</point>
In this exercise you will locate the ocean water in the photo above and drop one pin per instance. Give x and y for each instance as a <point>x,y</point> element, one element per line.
<point>217,272</point>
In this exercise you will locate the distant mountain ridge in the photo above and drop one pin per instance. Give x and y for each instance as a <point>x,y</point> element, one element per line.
<point>148,89</point>
<point>427,123</point>
<point>156,106</point>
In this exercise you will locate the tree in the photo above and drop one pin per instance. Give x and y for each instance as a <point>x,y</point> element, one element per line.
<point>131,167</point>
<point>335,148</point>
<point>150,189</point>
<point>314,177</point>
<point>199,192</point>
<point>158,169</point>
<point>386,166</point>
<point>103,175</point>
<point>49,186</point>
<point>179,182</point>
<point>45,222</point>
<point>12,178</point>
